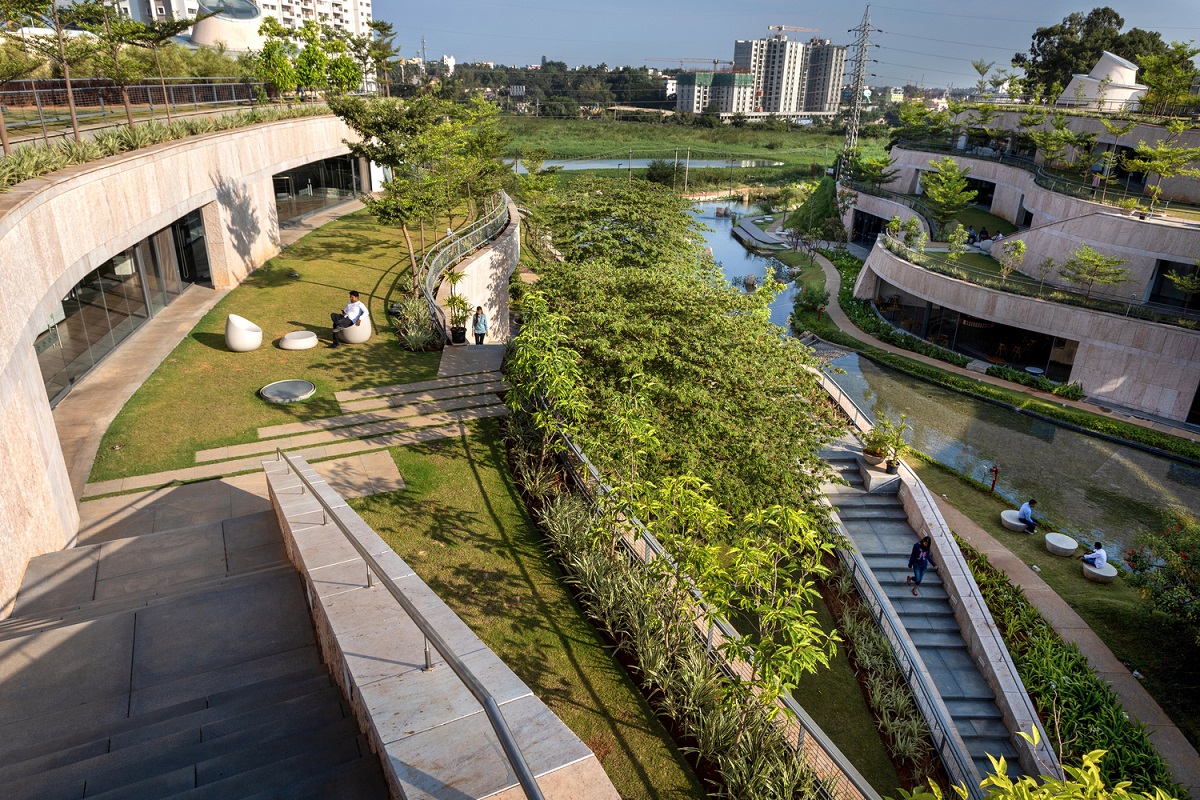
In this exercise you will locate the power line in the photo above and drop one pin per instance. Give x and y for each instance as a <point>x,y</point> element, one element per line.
<point>947,41</point>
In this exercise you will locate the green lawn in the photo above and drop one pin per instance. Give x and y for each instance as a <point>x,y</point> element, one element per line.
<point>462,526</point>
<point>983,219</point>
<point>204,396</point>
<point>1165,653</point>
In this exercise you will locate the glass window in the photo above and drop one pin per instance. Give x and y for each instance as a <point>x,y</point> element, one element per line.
<point>306,190</point>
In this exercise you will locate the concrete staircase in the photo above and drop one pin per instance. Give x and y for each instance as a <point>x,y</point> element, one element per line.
<point>877,524</point>
<point>173,664</point>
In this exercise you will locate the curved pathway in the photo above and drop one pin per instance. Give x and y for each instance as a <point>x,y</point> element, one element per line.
<point>1170,741</point>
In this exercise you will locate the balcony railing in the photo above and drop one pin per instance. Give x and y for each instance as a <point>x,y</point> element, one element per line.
<point>1021,284</point>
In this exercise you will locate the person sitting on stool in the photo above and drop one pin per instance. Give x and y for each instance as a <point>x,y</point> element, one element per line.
<point>353,314</point>
<point>1025,516</point>
<point>1097,558</point>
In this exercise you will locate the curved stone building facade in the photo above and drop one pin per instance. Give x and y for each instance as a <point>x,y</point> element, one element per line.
<point>56,230</point>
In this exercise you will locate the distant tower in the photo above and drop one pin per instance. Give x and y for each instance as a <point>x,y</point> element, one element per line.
<point>861,43</point>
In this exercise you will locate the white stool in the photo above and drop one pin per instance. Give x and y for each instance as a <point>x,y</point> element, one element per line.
<point>1061,545</point>
<point>298,340</point>
<point>1012,520</point>
<point>1102,574</point>
<point>356,334</point>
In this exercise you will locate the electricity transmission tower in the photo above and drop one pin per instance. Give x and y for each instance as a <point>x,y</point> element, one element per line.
<point>861,43</point>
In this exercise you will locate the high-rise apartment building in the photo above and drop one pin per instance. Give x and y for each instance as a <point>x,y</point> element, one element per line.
<point>826,66</point>
<point>352,16</point>
<point>731,92</point>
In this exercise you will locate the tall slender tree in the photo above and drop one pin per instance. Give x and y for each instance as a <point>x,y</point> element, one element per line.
<point>16,62</point>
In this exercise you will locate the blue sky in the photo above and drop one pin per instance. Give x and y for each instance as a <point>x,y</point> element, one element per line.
<point>923,41</point>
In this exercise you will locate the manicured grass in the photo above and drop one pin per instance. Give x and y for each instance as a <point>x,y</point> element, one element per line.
<point>834,699</point>
<point>984,219</point>
<point>1164,652</point>
<point>462,526</point>
<point>204,396</point>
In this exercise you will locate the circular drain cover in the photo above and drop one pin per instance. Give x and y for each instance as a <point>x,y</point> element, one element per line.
<point>291,391</point>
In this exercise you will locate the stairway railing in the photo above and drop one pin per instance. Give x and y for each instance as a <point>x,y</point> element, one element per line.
<point>492,709</point>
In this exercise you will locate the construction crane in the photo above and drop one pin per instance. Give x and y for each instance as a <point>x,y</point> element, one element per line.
<point>682,61</point>
<point>782,28</point>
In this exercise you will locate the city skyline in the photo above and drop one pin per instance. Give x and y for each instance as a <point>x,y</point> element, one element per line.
<point>927,42</point>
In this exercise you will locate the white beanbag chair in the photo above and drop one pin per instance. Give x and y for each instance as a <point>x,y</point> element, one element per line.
<point>242,335</point>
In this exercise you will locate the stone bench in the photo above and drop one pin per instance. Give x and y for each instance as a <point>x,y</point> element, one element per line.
<point>1012,520</point>
<point>1061,545</point>
<point>1102,574</point>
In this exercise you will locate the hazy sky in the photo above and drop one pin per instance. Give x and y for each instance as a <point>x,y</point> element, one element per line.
<point>923,41</point>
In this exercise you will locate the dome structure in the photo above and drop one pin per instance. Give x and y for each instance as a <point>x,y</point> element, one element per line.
<point>235,24</point>
<point>1110,86</point>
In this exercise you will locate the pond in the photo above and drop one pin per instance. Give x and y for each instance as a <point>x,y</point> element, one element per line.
<point>1082,483</point>
<point>622,164</point>
<point>735,260</point>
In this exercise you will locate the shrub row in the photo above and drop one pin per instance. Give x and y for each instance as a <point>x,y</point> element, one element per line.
<point>862,313</point>
<point>1080,711</point>
<point>721,727</point>
<point>32,160</point>
<point>1070,391</point>
<point>1081,419</point>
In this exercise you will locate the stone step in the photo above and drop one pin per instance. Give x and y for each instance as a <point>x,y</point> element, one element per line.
<point>350,395</point>
<point>907,605</point>
<point>943,639</point>
<point>865,499</point>
<point>88,721</point>
<point>314,753</point>
<point>60,617</point>
<point>209,724</point>
<point>480,405</point>
<point>412,405</point>
<point>992,727</point>
<point>975,710</point>
<point>871,513</point>
<point>939,623</point>
<point>324,725</point>
<point>974,690</point>
<point>199,711</point>
<point>360,779</point>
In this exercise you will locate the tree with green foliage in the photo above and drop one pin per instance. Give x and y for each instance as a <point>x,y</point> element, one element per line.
<point>1073,47</point>
<point>957,241</point>
<point>343,74</point>
<point>1169,77</point>
<point>155,35</point>
<point>1110,159</point>
<point>16,62</point>
<point>104,19</point>
<point>273,64</point>
<point>1089,268</point>
<point>629,223</point>
<point>1083,782</point>
<point>1165,564</point>
<point>945,190</point>
<point>875,172</point>
<point>312,62</point>
<point>1187,283</point>
<point>62,50</point>
<point>383,53</point>
<point>1164,159</point>
<point>1012,255</point>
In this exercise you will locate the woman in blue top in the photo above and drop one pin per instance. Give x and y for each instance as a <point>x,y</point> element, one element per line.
<point>919,560</point>
<point>479,324</point>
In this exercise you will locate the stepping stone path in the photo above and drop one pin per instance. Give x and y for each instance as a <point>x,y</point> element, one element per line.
<point>375,419</point>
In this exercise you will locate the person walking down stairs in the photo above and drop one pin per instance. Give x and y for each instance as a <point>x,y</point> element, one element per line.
<point>918,561</point>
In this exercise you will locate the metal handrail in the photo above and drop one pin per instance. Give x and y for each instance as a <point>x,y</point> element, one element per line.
<point>928,700</point>
<point>452,249</point>
<point>592,484</point>
<point>507,741</point>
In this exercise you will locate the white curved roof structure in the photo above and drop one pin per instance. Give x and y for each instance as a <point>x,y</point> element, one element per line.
<point>1110,86</point>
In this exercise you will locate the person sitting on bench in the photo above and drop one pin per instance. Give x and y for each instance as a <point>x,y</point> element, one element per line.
<point>1025,516</point>
<point>1097,558</point>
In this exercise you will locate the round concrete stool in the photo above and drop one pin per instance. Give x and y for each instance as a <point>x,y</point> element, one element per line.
<point>1012,520</point>
<point>356,334</point>
<point>298,340</point>
<point>1101,574</point>
<point>1061,545</point>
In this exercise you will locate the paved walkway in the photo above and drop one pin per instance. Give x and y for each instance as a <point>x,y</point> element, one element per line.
<point>833,283</point>
<point>1170,741</point>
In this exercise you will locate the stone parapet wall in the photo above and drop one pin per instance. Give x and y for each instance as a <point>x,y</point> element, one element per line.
<point>883,207</point>
<point>57,228</point>
<point>486,283</point>
<point>1130,362</point>
<point>430,732</point>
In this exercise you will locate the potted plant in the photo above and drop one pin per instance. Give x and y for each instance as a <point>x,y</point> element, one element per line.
<point>885,441</point>
<point>458,307</point>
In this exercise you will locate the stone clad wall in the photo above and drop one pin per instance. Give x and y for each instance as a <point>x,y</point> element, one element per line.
<point>56,229</point>
<point>1062,223</point>
<point>486,283</point>
<point>1134,363</point>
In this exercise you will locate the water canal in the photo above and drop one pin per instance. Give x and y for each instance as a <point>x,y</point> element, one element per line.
<point>1082,483</point>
